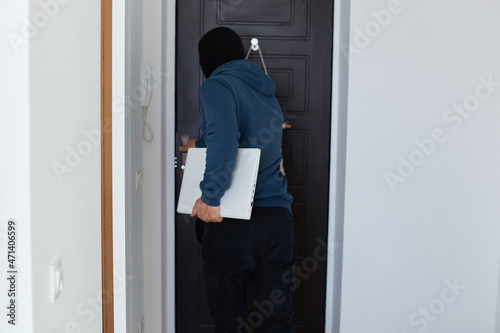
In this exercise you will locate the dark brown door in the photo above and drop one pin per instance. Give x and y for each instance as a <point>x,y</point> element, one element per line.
<point>295,38</point>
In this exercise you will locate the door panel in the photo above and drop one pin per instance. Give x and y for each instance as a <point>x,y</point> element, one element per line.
<point>295,38</point>
<point>276,19</point>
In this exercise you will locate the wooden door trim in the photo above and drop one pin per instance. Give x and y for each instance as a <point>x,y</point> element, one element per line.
<point>106,168</point>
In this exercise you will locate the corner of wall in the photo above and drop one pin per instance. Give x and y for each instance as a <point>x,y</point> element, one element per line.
<point>340,85</point>
<point>15,188</point>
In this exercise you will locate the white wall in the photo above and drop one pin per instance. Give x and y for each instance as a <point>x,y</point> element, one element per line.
<point>52,113</point>
<point>133,150</point>
<point>158,211</point>
<point>15,192</point>
<point>168,169</point>
<point>152,191</point>
<point>65,101</point>
<point>437,224</point>
<point>143,34</point>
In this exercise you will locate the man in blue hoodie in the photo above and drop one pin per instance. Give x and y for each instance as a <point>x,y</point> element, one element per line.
<point>240,110</point>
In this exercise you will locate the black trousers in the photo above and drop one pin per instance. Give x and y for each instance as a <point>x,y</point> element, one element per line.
<point>260,252</point>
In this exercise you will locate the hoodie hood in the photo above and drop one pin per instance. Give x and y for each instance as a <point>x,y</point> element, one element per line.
<point>248,72</point>
<point>217,47</point>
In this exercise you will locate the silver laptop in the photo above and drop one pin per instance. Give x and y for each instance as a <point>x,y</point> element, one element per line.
<point>237,201</point>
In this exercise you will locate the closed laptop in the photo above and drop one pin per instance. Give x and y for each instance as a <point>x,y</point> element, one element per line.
<point>237,201</point>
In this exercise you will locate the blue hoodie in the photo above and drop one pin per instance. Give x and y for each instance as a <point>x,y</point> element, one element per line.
<point>239,110</point>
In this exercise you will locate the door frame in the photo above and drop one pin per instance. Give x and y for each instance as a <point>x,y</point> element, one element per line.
<point>341,26</point>
<point>168,211</point>
<point>107,167</point>
<point>338,143</point>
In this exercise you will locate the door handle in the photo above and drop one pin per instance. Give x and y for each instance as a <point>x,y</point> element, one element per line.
<point>184,143</point>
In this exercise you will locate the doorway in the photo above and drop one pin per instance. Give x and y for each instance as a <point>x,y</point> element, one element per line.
<point>296,42</point>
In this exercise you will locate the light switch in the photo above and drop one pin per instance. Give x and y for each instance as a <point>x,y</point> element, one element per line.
<point>56,280</point>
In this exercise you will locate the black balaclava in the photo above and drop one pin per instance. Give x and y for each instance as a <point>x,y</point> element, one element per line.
<point>218,46</point>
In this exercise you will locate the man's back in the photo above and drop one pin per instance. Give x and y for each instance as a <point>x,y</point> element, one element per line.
<point>238,100</point>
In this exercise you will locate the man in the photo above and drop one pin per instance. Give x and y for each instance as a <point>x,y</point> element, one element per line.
<point>240,110</point>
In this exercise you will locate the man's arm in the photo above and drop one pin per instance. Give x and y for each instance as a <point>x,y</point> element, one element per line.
<point>221,137</point>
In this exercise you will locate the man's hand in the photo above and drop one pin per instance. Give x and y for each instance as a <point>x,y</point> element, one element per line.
<point>205,212</point>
